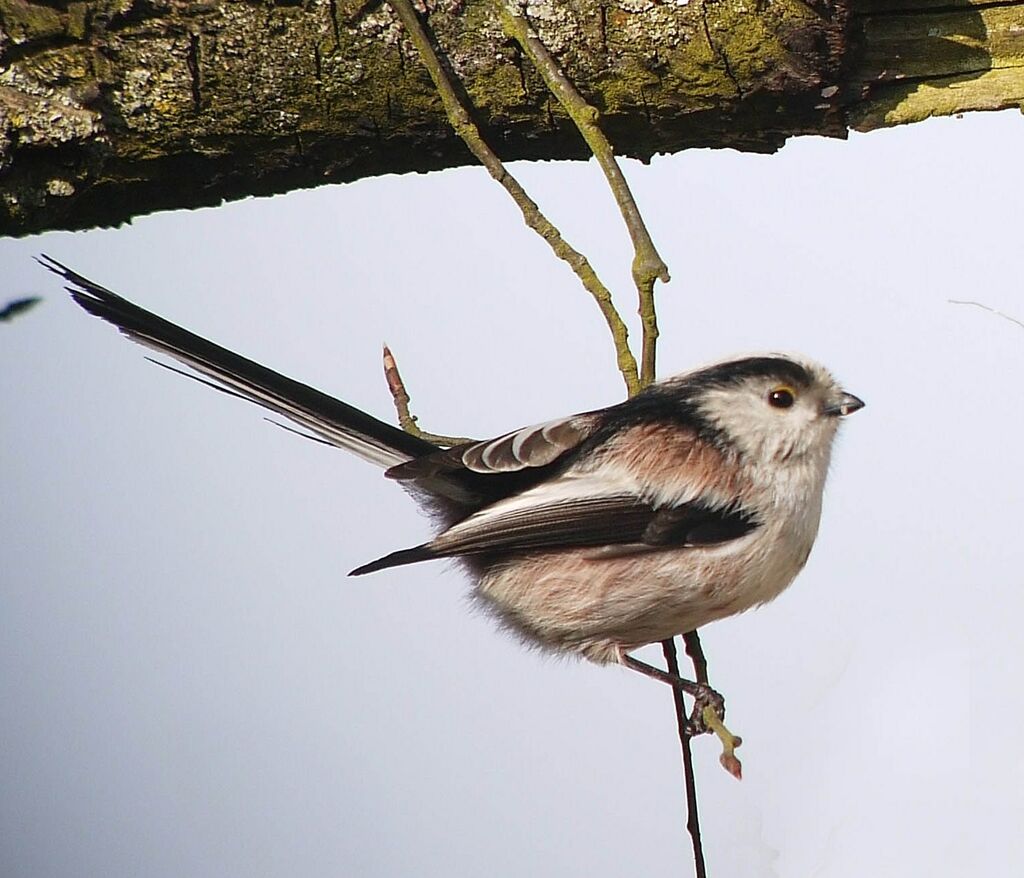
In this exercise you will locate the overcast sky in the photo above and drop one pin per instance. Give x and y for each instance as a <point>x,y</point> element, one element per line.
<point>190,685</point>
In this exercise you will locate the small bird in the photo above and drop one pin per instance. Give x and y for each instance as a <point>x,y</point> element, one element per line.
<point>600,532</point>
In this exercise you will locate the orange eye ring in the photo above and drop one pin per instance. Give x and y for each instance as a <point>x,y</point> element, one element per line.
<point>781,397</point>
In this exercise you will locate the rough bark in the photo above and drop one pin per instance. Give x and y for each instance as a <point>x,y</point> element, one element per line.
<point>114,108</point>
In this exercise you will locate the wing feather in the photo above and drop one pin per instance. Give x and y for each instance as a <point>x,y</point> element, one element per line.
<point>528,448</point>
<point>541,519</point>
<point>589,521</point>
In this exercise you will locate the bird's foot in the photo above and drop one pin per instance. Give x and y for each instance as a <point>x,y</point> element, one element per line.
<point>708,716</point>
<point>705,700</point>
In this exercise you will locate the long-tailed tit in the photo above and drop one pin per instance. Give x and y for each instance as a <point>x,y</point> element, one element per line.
<point>600,532</point>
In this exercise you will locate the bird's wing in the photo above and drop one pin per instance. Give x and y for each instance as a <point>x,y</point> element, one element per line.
<point>527,448</point>
<point>609,519</point>
<point>478,474</point>
<point>575,512</point>
<point>329,419</point>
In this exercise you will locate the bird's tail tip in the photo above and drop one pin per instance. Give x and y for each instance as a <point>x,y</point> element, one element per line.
<point>396,559</point>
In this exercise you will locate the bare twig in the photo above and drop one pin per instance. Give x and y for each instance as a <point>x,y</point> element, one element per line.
<point>400,396</point>
<point>988,308</point>
<point>466,128</point>
<point>730,742</point>
<point>696,653</point>
<point>648,266</point>
<point>712,723</point>
<point>692,818</point>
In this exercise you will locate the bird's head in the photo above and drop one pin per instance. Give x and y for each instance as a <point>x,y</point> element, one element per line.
<point>767,408</point>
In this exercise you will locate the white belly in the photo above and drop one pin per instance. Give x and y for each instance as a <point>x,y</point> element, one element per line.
<point>594,601</point>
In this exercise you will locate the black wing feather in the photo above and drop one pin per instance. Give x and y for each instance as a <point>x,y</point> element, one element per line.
<point>609,520</point>
<point>694,524</point>
<point>591,521</point>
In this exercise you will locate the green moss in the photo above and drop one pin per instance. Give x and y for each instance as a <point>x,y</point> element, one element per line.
<point>77,16</point>
<point>236,98</point>
<point>968,59</point>
<point>904,103</point>
<point>25,22</point>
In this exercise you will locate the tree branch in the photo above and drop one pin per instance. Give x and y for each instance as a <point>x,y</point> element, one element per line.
<point>110,112</point>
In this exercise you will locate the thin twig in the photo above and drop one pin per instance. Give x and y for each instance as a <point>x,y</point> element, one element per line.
<point>988,308</point>
<point>466,128</point>
<point>696,653</point>
<point>730,742</point>
<point>400,396</point>
<point>692,818</point>
<point>648,266</point>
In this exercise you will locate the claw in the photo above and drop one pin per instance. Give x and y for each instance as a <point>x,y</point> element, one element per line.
<point>705,699</point>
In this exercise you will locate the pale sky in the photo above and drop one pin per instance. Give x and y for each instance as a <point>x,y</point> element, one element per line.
<point>190,685</point>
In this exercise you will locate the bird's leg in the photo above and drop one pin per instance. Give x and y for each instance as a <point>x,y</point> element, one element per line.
<point>703,695</point>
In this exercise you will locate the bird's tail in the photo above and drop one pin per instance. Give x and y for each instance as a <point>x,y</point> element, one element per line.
<point>326,418</point>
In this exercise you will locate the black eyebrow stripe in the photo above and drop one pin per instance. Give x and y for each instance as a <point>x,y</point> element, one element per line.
<point>736,371</point>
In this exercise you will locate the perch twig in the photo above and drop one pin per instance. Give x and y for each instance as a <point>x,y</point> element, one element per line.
<point>692,817</point>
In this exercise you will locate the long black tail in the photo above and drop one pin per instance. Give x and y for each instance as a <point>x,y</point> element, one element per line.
<point>329,419</point>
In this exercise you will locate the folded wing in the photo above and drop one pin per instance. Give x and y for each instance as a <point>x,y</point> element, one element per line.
<point>566,513</point>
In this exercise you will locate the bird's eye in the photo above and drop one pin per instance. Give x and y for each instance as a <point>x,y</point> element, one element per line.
<point>781,397</point>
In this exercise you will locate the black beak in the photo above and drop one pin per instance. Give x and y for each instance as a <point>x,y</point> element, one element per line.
<point>847,404</point>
